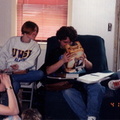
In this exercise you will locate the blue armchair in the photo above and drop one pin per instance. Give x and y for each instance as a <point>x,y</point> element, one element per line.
<point>55,105</point>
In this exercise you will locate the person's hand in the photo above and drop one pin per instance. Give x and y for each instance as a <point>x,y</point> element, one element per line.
<point>5,79</point>
<point>15,67</point>
<point>66,57</point>
<point>86,62</point>
<point>5,82</point>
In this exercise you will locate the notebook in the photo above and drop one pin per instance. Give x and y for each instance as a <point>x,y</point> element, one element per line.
<point>94,77</point>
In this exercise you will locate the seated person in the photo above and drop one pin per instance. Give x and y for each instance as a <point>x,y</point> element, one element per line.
<point>19,56</point>
<point>12,109</point>
<point>95,92</point>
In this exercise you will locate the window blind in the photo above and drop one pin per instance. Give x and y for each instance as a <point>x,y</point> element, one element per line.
<point>49,15</point>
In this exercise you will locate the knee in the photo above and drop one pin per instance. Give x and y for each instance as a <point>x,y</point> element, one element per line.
<point>101,88</point>
<point>66,91</point>
<point>98,88</point>
<point>38,73</point>
<point>41,73</point>
<point>69,92</point>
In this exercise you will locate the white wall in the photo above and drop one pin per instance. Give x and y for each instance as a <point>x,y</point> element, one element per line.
<point>7,20</point>
<point>92,17</point>
<point>87,16</point>
<point>42,55</point>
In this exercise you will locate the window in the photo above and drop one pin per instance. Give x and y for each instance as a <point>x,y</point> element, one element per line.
<point>49,15</point>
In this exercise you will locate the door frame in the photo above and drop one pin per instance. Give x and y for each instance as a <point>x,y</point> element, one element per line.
<point>116,64</point>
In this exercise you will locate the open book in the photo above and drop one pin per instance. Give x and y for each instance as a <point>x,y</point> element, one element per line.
<point>94,77</point>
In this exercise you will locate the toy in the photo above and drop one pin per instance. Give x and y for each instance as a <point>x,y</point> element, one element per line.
<point>76,50</point>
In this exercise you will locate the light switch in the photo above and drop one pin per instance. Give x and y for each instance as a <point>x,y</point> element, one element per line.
<point>109,26</point>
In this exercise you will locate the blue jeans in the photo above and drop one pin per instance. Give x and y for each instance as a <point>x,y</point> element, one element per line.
<point>95,94</point>
<point>31,76</point>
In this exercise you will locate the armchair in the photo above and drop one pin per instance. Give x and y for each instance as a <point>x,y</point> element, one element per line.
<point>94,47</point>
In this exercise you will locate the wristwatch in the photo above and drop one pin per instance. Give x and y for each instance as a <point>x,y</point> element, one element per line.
<point>9,88</point>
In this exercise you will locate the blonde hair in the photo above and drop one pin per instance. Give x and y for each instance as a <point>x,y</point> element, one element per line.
<point>31,114</point>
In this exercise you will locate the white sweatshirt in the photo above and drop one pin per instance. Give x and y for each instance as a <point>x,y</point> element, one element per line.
<point>17,52</point>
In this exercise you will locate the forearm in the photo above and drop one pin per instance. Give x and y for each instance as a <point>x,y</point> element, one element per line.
<point>54,67</point>
<point>12,101</point>
<point>12,108</point>
<point>26,65</point>
<point>23,65</point>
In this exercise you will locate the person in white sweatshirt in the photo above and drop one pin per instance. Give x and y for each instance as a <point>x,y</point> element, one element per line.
<point>19,56</point>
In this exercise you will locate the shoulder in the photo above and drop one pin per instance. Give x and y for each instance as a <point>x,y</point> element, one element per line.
<point>34,43</point>
<point>13,40</point>
<point>15,37</point>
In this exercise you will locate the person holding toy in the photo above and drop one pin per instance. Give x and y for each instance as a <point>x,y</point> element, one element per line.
<point>66,59</point>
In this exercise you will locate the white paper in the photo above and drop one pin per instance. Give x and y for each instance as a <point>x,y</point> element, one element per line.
<point>94,77</point>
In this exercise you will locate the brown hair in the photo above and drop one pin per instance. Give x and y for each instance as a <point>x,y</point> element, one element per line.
<point>66,31</point>
<point>31,114</point>
<point>29,27</point>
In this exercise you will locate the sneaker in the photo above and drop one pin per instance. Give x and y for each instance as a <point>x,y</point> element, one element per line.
<point>114,84</point>
<point>91,118</point>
